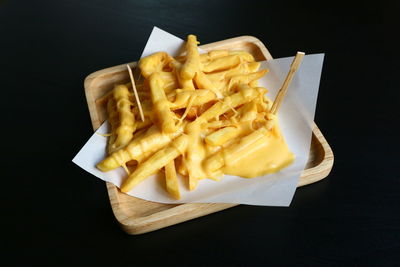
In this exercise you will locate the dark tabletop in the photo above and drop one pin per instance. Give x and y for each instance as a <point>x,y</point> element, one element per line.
<point>55,213</point>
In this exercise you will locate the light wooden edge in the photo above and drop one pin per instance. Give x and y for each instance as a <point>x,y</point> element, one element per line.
<point>322,170</point>
<point>161,219</point>
<point>185,212</point>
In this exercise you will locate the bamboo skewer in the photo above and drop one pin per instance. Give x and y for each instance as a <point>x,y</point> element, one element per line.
<point>135,92</point>
<point>282,92</point>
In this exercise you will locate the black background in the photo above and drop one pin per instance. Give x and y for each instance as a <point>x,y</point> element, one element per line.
<point>55,213</point>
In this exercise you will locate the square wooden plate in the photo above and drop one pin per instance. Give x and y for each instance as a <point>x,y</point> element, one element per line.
<point>137,216</point>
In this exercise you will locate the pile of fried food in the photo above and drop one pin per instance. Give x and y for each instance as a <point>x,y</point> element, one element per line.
<point>202,113</point>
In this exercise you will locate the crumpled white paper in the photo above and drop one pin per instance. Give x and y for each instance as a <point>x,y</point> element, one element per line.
<point>296,116</point>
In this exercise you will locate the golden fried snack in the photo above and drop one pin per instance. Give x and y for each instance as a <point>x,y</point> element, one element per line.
<point>245,94</point>
<point>205,57</point>
<point>244,56</point>
<point>180,166</point>
<point>121,118</point>
<point>202,81</point>
<point>245,79</point>
<point>113,120</point>
<point>213,125</point>
<point>248,115</point>
<point>161,104</point>
<point>228,62</point>
<point>205,116</point>
<point>186,84</point>
<point>182,98</point>
<point>220,137</point>
<point>214,54</point>
<point>169,80</point>
<point>154,63</point>
<point>244,68</point>
<point>143,124</point>
<point>171,180</point>
<point>155,162</point>
<point>138,149</point>
<point>194,155</point>
<point>222,63</point>
<point>192,63</point>
<point>196,151</point>
<point>191,113</point>
<point>220,80</point>
<point>248,112</point>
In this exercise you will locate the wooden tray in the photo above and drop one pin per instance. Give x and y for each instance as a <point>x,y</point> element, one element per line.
<point>137,216</point>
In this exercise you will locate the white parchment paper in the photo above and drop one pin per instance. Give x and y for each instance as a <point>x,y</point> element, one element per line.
<point>296,116</point>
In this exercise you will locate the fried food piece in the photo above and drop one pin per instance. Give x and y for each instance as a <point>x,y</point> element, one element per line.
<point>138,149</point>
<point>186,84</point>
<point>194,155</point>
<point>121,118</point>
<point>221,136</point>
<point>244,56</point>
<point>228,62</point>
<point>213,54</point>
<point>222,63</point>
<point>245,94</point>
<point>203,82</point>
<point>248,115</point>
<point>205,111</point>
<point>161,104</point>
<point>245,79</point>
<point>182,98</point>
<point>192,63</point>
<point>196,151</point>
<point>181,167</point>
<point>169,80</point>
<point>171,180</point>
<point>155,162</point>
<point>154,63</point>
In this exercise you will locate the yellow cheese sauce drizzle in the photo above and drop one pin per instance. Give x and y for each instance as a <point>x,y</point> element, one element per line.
<point>256,153</point>
<point>268,154</point>
<point>204,111</point>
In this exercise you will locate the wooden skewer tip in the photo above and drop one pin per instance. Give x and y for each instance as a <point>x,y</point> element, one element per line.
<point>135,92</point>
<point>282,92</point>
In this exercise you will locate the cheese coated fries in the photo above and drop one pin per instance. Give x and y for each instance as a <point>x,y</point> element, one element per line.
<point>205,116</point>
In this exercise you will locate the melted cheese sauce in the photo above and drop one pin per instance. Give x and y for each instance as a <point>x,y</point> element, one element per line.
<point>268,155</point>
<point>226,128</point>
<point>254,153</point>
